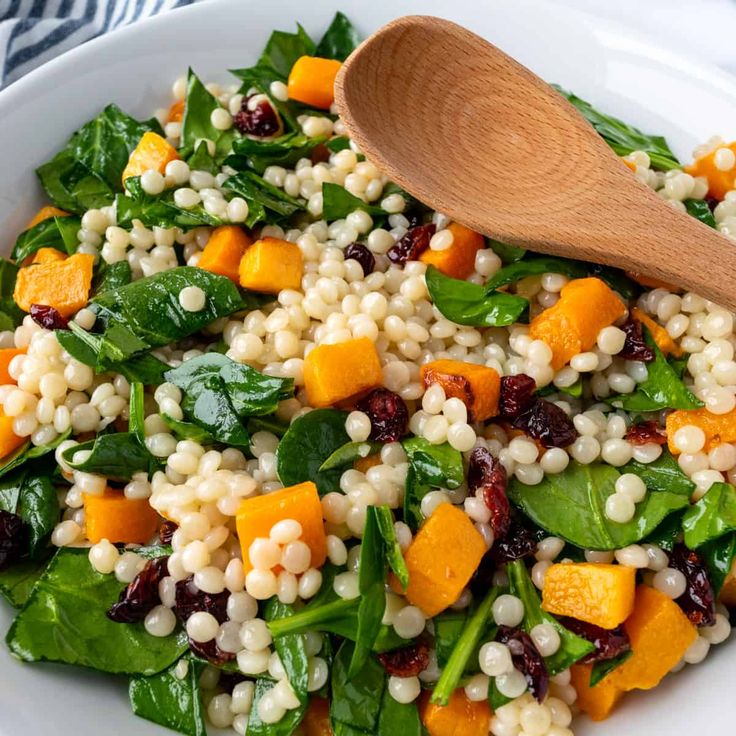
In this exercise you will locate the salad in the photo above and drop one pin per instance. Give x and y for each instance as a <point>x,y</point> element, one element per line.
<point>294,454</point>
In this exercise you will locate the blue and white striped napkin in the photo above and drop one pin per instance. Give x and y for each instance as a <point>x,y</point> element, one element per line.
<point>34,31</point>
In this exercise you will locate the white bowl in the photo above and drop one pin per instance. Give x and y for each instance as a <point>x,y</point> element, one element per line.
<point>135,67</point>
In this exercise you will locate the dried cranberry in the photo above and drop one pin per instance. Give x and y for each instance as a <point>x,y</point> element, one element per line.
<point>190,599</point>
<point>48,317</point>
<point>609,643</point>
<point>11,537</point>
<point>210,651</point>
<point>261,121</point>
<point>546,422</point>
<point>698,601</point>
<point>635,347</point>
<point>412,245</point>
<point>358,252</point>
<point>519,542</point>
<point>141,595</point>
<point>646,433</point>
<point>486,473</point>
<point>407,661</point>
<point>166,532</point>
<point>516,396</point>
<point>526,659</point>
<point>320,154</point>
<point>388,414</point>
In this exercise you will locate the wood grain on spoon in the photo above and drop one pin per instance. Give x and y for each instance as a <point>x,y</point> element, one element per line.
<point>475,135</point>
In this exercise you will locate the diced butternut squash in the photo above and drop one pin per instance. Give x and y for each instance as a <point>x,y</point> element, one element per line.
<point>651,282</point>
<point>312,81</point>
<point>45,255</point>
<point>629,164</point>
<point>718,428</point>
<point>9,440</point>
<point>258,514</point>
<point>224,251</point>
<point>441,559</point>
<point>6,355</point>
<point>477,386</point>
<point>364,464</point>
<point>660,634</point>
<point>664,342</point>
<point>460,717</point>
<point>341,371</point>
<point>270,265</point>
<point>719,182</point>
<point>457,261</point>
<point>152,152</point>
<point>63,285</point>
<point>599,594</point>
<point>317,718</point>
<point>118,519</point>
<point>176,112</point>
<point>572,325</point>
<point>598,701</point>
<point>44,214</point>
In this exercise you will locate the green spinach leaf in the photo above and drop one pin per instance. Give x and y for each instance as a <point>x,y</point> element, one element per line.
<point>136,420</point>
<point>719,555</point>
<point>292,652</point>
<point>448,627</point>
<point>398,718</point>
<point>535,267</point>
<point>17,581</point>
<point>112,276</point>
<point>507,253</point>
<point>664,474</point>
<point>117,456</point>
<point>338,203</point>
<point>603,668</point>
<point>711,517</point>
<point>349,453</point>
<point>340,39</point>
<point>394,555</point>
<point>262,196</point>
<point>48,233</point>
<point>699,209</point>
<point>284,151</point>
<point>197,124</point>
<point>27,452</point>
<point>10,314</point>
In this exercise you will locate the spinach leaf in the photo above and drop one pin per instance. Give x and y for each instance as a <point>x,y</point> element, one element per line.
<point>65,620</point>
<point>664,474</point>
<point>117,456</point>
<point>572,647</point>
<point>667,534</point>
<point>136,421</point>
<point>398,718</point>
<point>719,556</point>
<point>662,389</point>
<point>28,452</point>
<point>267,424</point>
<point>284,151</point>
<point>169,701</point>
<point>448,627</point>
<point>10,313</point>
<point>469,304</point>
<point>349,453</point>
<point>507,253</point>
<point>699,209</point>
<point>308,442</point>
<point>467,643</point>
<point>17,581</point>
<point>292,651</point>
<point>283,49</point>
<point>338,143</point>
<point>284,727</point>
<point>603,668</point>
<point>534,267</point>
<point>340,39</point>
<point>572,504</point>
<point>356,701</point>
<point>430,466</point>
<point>47,234</point>
<point>188,430</point>
<point>371,583</point>
<point>202,160</point>
<point>394,555</point>
<point>338,203</point>
<point>623,138</point>
<point>112,276</point>
<point>197,124</point>
<point>711,517</point>
<point>262,196</point>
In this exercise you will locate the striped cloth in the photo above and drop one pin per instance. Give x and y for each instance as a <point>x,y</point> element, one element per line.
<point>34,31</point>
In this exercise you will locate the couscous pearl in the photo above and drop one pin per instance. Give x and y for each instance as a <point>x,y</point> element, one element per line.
<point>689,439</point>
<point>160,621</point>
<point>409,622</point>
<point>632,486</point>
<point>611,340</point>
<point>477,688</point>
<point>346,585</point>
<point>620,508</point>
<point>671,582</point>
<point>511,684</point>
<point>404,689</point>
<point>494,659</point>
<point>632,556</point>
<point>192,299</point>
<point>103,556</point>
<point>508,610</point>
<point>253,663</point>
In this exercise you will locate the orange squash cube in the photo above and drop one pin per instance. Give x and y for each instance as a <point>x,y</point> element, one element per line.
<point>460,717</point>
<point>317,718</point>
<point>477,386</point>
<point>270,265</point>
<point>118,519</point>
<point>718,428</point>
<point>341,371</point>
<point>44,214</point>
<point>224,251</point>
<point>44,255</point>
<point>598,701</point>
<point>9,440</point>
<point>728,591</point>
<point>441,559</point>
<point>6,355</point>
<point>257,515</point>
<point>719,182</point>
<point>457,261</point>
<point>364,464</point>
<point>176,112</point>
<point>664,342</point>
<point>599,594</point>
<point>312,81</point>
<point>152,152</point>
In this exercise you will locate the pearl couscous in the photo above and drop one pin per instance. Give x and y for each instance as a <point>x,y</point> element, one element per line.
<point>299,456</point>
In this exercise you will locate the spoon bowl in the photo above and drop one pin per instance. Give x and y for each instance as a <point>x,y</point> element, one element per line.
<point>477,136</point>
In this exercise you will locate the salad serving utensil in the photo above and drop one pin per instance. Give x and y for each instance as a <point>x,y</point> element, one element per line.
<point>477,136</point>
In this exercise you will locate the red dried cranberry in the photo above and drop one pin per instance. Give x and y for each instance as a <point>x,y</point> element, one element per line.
<point>11,538</point>
<point>519,542</point>
<point>388,414</point>
<point>358,252</point>
<point>407,661</point>
<point>609,643</point>
<point>210,651</point>
<point>190,599</point>
<point>485,472</point>
<point>526,659</point>
<point>646,433</point>
<point>698,601</point>
<point>48,317</point>
<point>546,422</point>
<point>516,396</point>
<point>262,121</point>
<point>320,154</point>
<point>141,595</point>
<point>166,532</point>
<point>635,347</point>
<point>412,245</point>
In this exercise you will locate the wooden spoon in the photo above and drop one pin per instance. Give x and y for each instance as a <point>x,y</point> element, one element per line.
<point>475,135</point>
